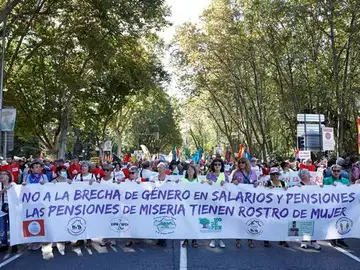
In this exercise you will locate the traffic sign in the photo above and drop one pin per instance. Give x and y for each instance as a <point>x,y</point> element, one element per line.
<point>328,139</point>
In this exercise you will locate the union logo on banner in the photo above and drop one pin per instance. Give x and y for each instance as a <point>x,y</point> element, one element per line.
<point>33,228</point>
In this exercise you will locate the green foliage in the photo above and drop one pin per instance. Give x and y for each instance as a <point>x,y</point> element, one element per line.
<point>71,64</point>
<point>256,64</point>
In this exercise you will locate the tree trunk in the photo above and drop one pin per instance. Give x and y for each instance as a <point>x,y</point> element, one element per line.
<point>64,129</point>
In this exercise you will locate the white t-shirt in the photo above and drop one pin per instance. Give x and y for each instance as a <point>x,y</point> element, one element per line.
<point>132,181</point>
<point>148,174</point>
<point>118,175</point>
<point>257,170</point>
<point>87,178</point>
<point>158,182</point>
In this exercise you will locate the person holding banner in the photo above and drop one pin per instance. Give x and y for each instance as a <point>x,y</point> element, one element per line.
<point>84,176</point>
<point>117,173</point>
<point>275,182</point>
<point>133,175</point>
<point>161,178</point>
<point>305,180</point>
<point>108,175</point>
<point>62,175</point>
<point>6,179</point>
<point>190,177</point>
<point>35,177</point>
<point>217,175</point>
<point>335,179</point>
<point>244,175</point>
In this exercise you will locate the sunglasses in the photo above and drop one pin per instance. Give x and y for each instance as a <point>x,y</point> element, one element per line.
<point>273,174</point>
<point>336,171</point>
<point>107,170</point>
<point>217,164</point>
<point>242,162</point>
<point>132,172</point>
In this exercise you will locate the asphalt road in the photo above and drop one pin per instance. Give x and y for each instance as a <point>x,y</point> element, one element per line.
<point>148,256</point>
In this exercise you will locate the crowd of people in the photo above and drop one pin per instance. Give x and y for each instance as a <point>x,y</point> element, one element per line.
<point>215,171</point>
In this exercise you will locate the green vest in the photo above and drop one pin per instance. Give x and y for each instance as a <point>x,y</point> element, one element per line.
<point>187,180</point>
<point>220,178</point>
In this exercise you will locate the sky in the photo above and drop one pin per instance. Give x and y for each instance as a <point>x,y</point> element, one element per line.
<point>182,11</point>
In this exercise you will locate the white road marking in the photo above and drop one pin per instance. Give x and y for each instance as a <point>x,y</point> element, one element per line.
<point>10,260</point>
<point>183,257</point>
<point>347,253</point>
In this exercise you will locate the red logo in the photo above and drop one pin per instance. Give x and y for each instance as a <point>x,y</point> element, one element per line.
<point>33,228</point>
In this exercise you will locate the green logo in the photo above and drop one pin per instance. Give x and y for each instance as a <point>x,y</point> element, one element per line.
<point>210,225</point>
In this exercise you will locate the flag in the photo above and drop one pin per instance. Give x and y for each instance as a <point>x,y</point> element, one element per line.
<point>197,156</point>
<point>175,152</point>
<point>296,154</point>
<point>247,155</point>
<point>146,152</point>
<point>241,151</point>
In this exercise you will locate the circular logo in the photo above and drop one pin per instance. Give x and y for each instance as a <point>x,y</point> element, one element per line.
<point>344,225</point>
<point>76,226</point>
<point>120,225</point>
<point>34,228</point>
<point>327,135</point>
<point>254,227</point>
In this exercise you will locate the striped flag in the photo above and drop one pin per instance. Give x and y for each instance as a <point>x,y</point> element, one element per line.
<point>241,151</point>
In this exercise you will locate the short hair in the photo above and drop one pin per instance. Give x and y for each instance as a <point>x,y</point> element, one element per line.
<point>303,172</point>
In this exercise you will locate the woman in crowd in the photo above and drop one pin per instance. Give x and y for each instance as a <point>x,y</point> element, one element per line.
<point>108,175</point>
<point>305,180</point>
<point>6,179</point>
<point>244,175</point>
<point>190,177</point>
<point>173,167</point>
<point>275,182</point>
<point>335,179</point>
<point>161,178</point>
<point>118,174</point>
<point>62,175</point>
<point>84,176</point>
<point>217,175</point>
<point>36,176</point>
<point>133,177</point>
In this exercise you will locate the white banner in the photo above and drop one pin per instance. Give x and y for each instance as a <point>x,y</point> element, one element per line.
<point>292,178</point>
<point>63,212</point>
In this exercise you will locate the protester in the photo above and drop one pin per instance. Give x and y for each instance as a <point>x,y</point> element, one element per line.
<point>173,168</point>
<point>74,168</point>
<point>62,175</point>
<point>190,177</point>
<point>255,167</point>
<point>308,165</point>
<point>275,182</point>
<point>161,178</point>
<point>305,180</point>
<point>217,176</point>
<point>146,172</point>
<point>335,179</point>
<point>6,179</point>
<point>244,175</point>
<point>108,175</point>
<point>117,174</point>
<point>133,175</point>
<point>84,176</point>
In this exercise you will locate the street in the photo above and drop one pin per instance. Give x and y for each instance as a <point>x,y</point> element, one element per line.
<point>148,256</point>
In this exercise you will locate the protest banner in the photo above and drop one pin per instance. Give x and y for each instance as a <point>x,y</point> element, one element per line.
<point>63,212</point>
<point>292,178</point>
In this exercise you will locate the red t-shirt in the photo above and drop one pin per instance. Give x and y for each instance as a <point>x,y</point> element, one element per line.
<point>98,173</point>
<point>15,169</point>
<point>126,173</point>
<point>310,168</point>
<point>74,167</point>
